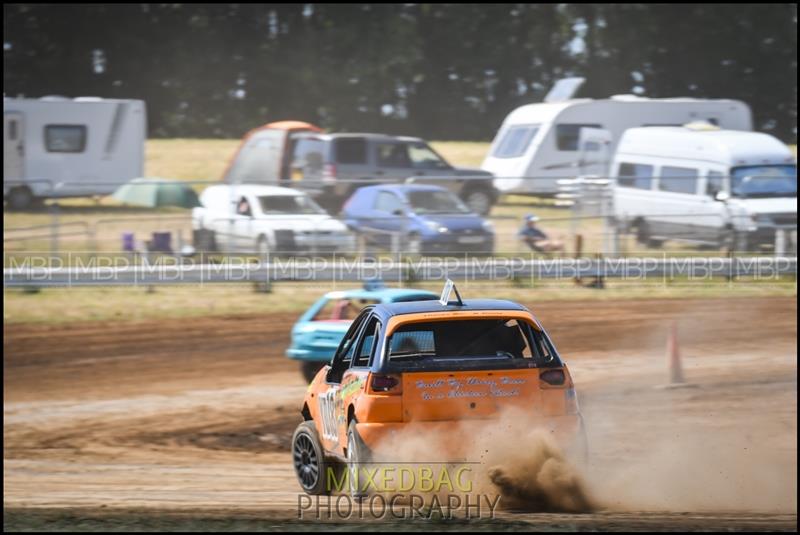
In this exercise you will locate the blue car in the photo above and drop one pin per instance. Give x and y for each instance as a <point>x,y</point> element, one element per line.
<point>316,335</point>
<point>426,219</point>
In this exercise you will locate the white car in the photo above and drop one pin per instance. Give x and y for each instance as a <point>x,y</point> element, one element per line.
<point>258,219</point>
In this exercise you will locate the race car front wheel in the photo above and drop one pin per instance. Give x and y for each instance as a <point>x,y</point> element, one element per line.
<point>308,459</point>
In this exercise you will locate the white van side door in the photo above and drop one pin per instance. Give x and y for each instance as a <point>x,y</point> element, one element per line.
<point>685,212</point>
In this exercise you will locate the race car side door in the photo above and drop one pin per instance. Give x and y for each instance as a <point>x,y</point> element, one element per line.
<point>331,406</point>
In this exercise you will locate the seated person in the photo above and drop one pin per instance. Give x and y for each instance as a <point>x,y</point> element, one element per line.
<point>536,239</point>
<point>344,310</point>
<point>243,208</point>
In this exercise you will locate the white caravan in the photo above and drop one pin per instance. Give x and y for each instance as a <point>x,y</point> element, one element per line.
<point>538,144</point>
<point>60,147</point>
<point>705,185</point>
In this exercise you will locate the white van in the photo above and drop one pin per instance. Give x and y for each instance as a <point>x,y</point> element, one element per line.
<point>538,144</point>
<point>705,185</point>
<point>60,147</point>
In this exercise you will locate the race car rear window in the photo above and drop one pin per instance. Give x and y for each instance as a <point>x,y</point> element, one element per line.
<point>492,339</point>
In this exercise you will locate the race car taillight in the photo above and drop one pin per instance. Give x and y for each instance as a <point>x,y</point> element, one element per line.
<point>571,401</point>
<point>553,377</point>
<point>385,384</point>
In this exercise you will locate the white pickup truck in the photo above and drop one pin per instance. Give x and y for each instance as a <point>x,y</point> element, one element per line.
<point>265,219</point>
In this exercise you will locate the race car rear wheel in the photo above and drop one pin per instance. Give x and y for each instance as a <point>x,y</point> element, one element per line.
<point>308,459</point>
<point>358,457</point>
<point>310,368</point>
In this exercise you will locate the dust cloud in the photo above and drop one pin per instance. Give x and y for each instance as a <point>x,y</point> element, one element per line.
<point>511,456</point>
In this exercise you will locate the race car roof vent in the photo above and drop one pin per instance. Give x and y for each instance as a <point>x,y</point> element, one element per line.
<point>450,287</point>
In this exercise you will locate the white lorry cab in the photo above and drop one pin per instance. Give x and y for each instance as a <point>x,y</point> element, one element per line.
<point>260,219</point>
<point>706,185</point>
<point>61,147</point>
<point>538,144</point>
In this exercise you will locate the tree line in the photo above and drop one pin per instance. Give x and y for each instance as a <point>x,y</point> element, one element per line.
<point>441,71</point>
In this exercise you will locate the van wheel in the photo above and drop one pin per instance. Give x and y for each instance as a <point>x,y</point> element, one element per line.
<point>309,369</point>
<point>358,457</point>
<point>262,247</point>
<point>20,198</point>
<point>414,243</point>
<point>205,240</point>
<point>736,242</point>
<point>643,236</point>
<point>308,459</point>
<point>641,231</point>
<point>479,200</point>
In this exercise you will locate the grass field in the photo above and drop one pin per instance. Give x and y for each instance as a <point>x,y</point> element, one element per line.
<point>68,305</point>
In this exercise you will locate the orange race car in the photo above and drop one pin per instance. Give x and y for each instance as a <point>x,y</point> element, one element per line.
<point>425,365</point>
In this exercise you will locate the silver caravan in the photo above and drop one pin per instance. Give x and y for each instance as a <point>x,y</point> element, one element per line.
<point>538,144</point>
<point>60,147</point>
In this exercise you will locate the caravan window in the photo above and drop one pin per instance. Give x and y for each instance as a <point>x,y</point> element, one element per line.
<point>65,138</point>
<point>635,175</point>
<point>567,135</point>
<point>678,179</point>
<point>515,141</point>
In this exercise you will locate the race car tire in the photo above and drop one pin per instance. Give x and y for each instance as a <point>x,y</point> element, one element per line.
<point>309,461</point>
<point>358,458</point>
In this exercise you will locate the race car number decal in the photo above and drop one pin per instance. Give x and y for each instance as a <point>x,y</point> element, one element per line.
<point>327,408</point>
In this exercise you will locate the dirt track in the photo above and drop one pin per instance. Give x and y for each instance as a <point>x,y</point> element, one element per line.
<point>197,414</point>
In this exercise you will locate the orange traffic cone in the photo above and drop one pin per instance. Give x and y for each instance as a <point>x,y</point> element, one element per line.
<point>674,356</point>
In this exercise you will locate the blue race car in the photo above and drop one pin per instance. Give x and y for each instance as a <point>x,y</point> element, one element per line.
<point>428,219</point>
<point>317,333</point>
